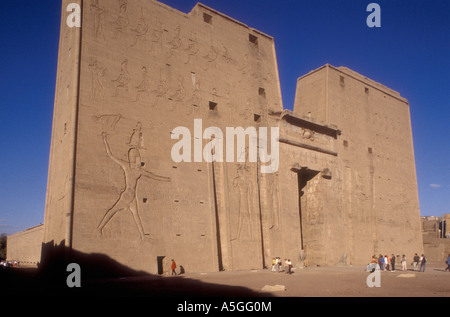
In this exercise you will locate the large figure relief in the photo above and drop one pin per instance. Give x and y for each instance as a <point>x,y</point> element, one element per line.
<point>133,172</point>
<point>245,188</point>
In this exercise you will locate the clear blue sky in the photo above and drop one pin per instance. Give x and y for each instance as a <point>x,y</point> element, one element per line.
<point>410,53</point>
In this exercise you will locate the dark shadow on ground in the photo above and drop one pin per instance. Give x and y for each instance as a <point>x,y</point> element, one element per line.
<point>103,276</point>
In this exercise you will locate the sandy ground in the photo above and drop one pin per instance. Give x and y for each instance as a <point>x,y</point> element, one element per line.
<point>307,282</point>
<point>338,282</point>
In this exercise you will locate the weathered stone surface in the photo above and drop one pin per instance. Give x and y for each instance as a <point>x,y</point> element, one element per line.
<point>25,246</point>
<point>436,244</point>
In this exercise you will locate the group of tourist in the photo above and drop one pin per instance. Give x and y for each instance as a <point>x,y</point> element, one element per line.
<point>387,263</point>
<point>419,260</point>
<point>277,265</point>
<point>9,263</point>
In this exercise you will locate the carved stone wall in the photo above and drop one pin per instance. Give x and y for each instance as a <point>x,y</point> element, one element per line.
<point>146,69</point>
<point>379,202</point>
<point>345,187</point>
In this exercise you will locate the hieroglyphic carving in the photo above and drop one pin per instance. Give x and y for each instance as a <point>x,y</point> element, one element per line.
<point>226,55</point>
<point>144,85</point>
<point>211,57</point>
<point>307,134</point>
<point>140,31</point>
<point>196,96</point>
<point>272,199</point>
<point>122,21</point>
<point>161,91</point>
<point>157,37</point>
<point>98,71</point>
<point>179,93</point>
<point>314,208</point>
<point>136,139</point>
<point>244,185</point>
<point>214,94</point>
<point>175,43</point>
<point>133,171</point>
<point>108,121</point>
<point>192,48</point>
<point>123,79</point>
<point>98,20</point>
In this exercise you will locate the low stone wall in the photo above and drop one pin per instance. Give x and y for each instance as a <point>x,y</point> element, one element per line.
<point>25,246</point>
<point>436,249</point>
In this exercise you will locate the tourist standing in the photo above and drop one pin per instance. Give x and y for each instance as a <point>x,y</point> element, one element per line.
<point>381,262</point>
<point>423,260</point>
<point>416,261</point>
<point>173,266</point>
<point>393,263</point>
<point>448,263</point>
<point>277,265</point>
<point>404,263</point>
<point>288,266</point>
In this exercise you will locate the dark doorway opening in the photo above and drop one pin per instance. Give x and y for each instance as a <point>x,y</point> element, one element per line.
<point>304,175</point>
<point>159,260</point>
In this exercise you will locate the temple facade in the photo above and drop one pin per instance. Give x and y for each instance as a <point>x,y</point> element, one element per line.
<point>170,141</point>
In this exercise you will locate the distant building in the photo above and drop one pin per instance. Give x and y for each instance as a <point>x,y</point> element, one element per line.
<point>436,239</point>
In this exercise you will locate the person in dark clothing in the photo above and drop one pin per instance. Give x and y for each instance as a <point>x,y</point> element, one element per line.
<point>393,262</point>
<point>423,260</point>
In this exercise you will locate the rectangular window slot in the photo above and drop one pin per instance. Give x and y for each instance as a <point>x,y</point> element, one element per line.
<point>144,200</point>
<point>176,200</point>
<point>257,118</point>
<point>342,81</point>
<point>142,164</point>
<point>212,106</point>
<point>262,92</point>
<point>253,39</point>
<point>345,143</point>
<point>207,18</point>
<point>366,90</point>
<point>369,150</point>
